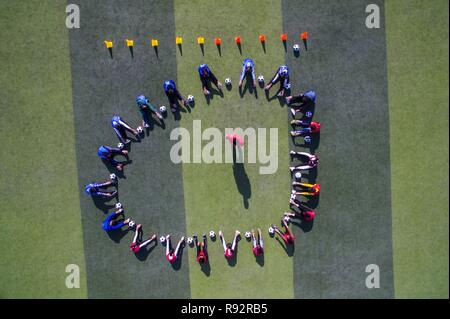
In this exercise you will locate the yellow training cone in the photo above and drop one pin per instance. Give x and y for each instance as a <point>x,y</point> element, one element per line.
<point>179,40</point>
<point>108,44</point>
<point>154,43</point>
<point>129,43</point>
<point>201,40</point>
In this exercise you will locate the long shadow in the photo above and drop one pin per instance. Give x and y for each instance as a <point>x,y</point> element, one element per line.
<point>312,146</point>
<point>313,201</point>
<point>102,203</point>
<point>112,169</point>
<point>248,87</point>
<point>142,254</point>
<point>212,93</point>
<point>305,225</point>
<point>117,235</point>
<point>233,261</point>
<point>241,177</point>
<point>289,249</point>
<point>310,175</point>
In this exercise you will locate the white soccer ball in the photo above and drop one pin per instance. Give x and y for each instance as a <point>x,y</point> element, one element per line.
<point>112,176</point>
<point>190,98</point>
<point>190,240</point>
<point>140,129</point>
<point>298,176</point>
<point>287,219</point>
<point>162,109</point>
<point>307,139</point>
<point>296,48</point>
<point>261,79</point>
<point>212,234</point>
<point>309,114</point>
<point>248,234</point>
<point>162,239</point>
<point>120,145</point>
<point>118,206</point>
<point>131,223</point>
<point>227,81</point>
<point>271,230</point>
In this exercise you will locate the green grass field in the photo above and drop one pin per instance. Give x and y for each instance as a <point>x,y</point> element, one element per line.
<point>382,99</point>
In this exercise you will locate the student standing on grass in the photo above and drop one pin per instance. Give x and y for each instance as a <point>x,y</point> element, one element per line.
<point>258,244</point>
<point>230,248</point>
<point>281,76</point>
<point>172,254</point>
<point>121,127</point>
<point>173,95</point>
<point>248,69</point>
<point>206,76</point>
<point>287,236</point>
<point>98,189</point>
<point>114,221</point>
<point>107,153</point>
<point>137,244</point>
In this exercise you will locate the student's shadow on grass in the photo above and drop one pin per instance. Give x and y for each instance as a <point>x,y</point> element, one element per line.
<point>281,99</point>
<point>233,261</point>
<point>248,87</point>
<point>117,235</point>
<point>142,254</point>
<point>240,176</point>
<point>289,249</point>
<point>305,225</point>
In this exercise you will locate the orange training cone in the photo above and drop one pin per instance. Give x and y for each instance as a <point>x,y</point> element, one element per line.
<point>304,38</point>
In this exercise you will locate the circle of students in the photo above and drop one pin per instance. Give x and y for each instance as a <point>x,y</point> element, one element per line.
<point>303,128</point>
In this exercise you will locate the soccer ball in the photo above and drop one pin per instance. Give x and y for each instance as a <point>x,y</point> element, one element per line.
<point>163,109</point>
<point>227,81</point>
<point>118,206</point>
<point>248,234</point>
<point>298,176</point>
<point>112,177</point>
<point>140,129</point>
<point>162,239</point>
<point>287,219</point>
<point>271,230</point>
<point>261,79</point>
<point>131,223</point>
<point>288,86</point>
<point>307,139</point>
<point>296,48</point>
<point>190,98</point>
<point>212,234</point>
<point>190,240</point>
<point>120,145</point>
<point>309,114</point>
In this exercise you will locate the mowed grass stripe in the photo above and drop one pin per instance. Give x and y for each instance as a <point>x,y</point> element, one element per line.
<point>212,197</point>
<point>346,65</point>
<point>417,43</point>
<point>40,222</point>
<point>151,189</point>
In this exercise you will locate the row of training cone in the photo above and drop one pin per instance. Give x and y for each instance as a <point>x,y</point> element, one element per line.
<point>217,41</point>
